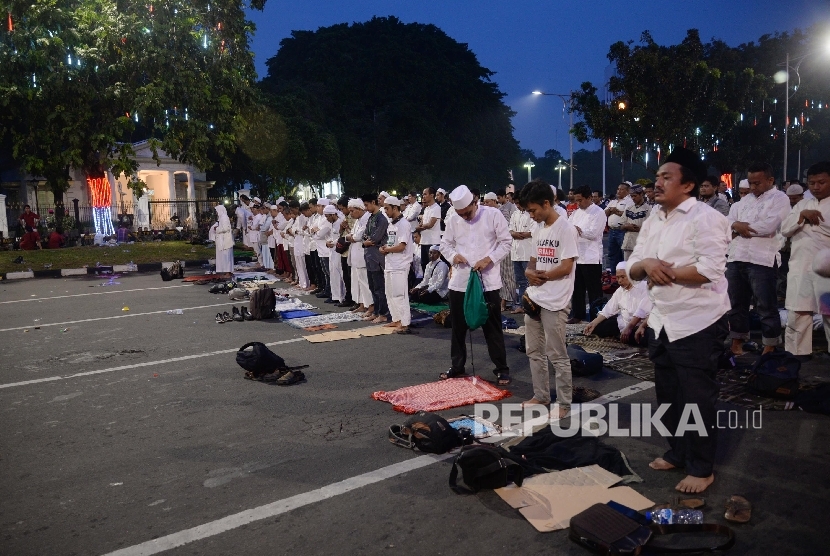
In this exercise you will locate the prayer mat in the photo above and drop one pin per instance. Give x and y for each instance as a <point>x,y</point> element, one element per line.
<point>330,318</point>
<point>444,394</point>
<point>218,277</point>
<point>733,389</point>
<point>478,427</point>
<point>574,329</point>
<point>639,367</point>
<point>281,307</point>
<point>431,309</point>
<point>320,327</point>
<point>611,350</point>
<point>298,314</point>
<point>290,292</point>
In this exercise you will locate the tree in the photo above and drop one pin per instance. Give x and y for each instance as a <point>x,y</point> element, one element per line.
<point>407,105</point>
<point>665,96</point>
<point>83,79</point>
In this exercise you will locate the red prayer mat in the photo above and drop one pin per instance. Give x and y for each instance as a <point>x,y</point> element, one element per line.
<point>444,394</point>
<point>219,277</point>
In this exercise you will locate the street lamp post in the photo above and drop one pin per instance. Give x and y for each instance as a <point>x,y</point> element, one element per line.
<point>566,104</point>
<point>560,167</point>
<point>529,164</point>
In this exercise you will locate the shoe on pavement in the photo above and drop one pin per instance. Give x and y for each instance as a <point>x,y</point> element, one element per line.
<point>245,313</point>
<point>236,315</point>
<point>219,318</point>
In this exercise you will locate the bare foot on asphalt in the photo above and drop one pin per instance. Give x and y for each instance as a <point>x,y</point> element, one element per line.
<point>661,465</point>
<point>694,485</point>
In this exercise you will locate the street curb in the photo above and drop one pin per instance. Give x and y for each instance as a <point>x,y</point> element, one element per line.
<point>119,268</point>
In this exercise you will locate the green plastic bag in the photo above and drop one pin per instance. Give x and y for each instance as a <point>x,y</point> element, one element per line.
<point>475,307</point>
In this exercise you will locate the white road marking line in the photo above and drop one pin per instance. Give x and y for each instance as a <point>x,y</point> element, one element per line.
<point>108,318</point>
<point>93,293</point>
<point>277,508</point>
<point>285,505</point>
<point>136,365</point>
<point>145,364</point>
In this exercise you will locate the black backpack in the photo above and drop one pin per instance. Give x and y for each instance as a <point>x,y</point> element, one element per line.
<point>484,467</point>
<point>260,360</point>
<point>428,432</point>
<point>582,362</point>
<point>261,305</point>
<point>775,375</point>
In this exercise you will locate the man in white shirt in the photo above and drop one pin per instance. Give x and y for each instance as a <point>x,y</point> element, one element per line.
<point>753,259</point>
<point>337,286</point>
<point>521,229</point>
<point>629,304</point>
<point>635,215</point>
<point>550,273</point>
<point>808,224</point>
<point>477,239</point>
<point>320,234</point>
<point>615,212</point>
<point>254,220</point>
<point>589,221</point>
<point>398,258</point>
<point>242,212</point>
<point>412,210</point>
<point>681,251</point>
<point>430,226</point>
<point>361,294</point>
<point>434,287</point>
<point>508,280</point>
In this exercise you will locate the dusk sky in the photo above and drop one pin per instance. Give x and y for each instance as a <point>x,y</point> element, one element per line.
<point>548,45</point>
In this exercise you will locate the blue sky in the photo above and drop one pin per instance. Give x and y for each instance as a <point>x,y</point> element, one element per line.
<point>550,45</point>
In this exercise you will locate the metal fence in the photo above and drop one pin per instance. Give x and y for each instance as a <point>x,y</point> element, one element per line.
<point>145,215</point>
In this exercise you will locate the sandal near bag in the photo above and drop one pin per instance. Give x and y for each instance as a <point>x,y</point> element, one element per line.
<point>291,377</point>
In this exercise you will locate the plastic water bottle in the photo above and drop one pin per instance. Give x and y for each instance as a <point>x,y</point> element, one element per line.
<point>673,517</point>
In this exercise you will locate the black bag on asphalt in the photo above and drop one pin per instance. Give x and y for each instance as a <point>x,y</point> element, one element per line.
<point>426,431</point>
<point>604,530</point>
<point>484,467</point>
<point>262,303</point>
<point>775,375</point>
<point>584,363</point>
<point>259,360</point>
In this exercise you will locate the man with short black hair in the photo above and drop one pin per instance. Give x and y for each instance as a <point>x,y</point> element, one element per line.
<point>373,237</point>
<point>441,200</point>
<point>649,191</point>
<point>430,225</point>
<point>681,251</point>
<point>615,212</point>
<point>412,210</point>
<point>635,215</point>
<point>709,195</point>
<point>753,260</point>
<point>589,221</point>
<point>506,205</point>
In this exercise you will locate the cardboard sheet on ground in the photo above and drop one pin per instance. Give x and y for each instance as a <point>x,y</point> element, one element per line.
<point>549,501</point>
<point>332,336</point>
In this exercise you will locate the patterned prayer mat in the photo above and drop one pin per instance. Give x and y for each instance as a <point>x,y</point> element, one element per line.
<point>444,394</point>
<point>290,292</point>
<point>330,318</point>
<point>218,277</point>
<point>733,390</point>
<point>431,309</point>
<point>291,306</point>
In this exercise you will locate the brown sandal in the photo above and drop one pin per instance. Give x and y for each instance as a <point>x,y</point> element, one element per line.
<point>738,509</point>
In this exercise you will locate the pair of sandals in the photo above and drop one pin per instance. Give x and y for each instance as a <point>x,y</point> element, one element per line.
<point>280,378</point>
<point>502,379</point>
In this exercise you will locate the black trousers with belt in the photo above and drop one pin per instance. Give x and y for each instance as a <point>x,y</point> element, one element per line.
<point>684,375</point>
<point>587,278</point>
<point>493,334</point>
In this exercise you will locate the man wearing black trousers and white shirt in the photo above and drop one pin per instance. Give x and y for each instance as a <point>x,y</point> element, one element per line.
<point>589,221</point>
<point>476,238</point>
<point>681,251</point>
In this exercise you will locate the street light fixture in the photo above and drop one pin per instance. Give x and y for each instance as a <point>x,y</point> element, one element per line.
<point>567,104</point>
<point>560,167</point>
<point>529,164</point>
<point>786,79</point>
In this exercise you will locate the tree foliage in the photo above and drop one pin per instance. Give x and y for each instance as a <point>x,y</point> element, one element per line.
<point>711,97</point>
<point>407,105</point>
<point>83,79</point>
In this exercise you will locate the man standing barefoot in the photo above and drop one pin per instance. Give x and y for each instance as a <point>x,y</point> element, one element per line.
<point>681,251</point>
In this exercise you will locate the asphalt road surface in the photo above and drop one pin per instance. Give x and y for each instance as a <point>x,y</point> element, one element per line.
<point>134,431</point>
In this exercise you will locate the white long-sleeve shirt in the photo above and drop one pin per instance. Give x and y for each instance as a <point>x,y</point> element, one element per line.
<point>627,304</point>
<point>356,257</point>
<point>591,222</point>
<point>321,236</point>
<point>807,241</point>
<point>412,211</point>
<point>435,278</point>
<point>764,214</point>
<point>522,249</point>
<point>693,234</point>
<point>485,235</point>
